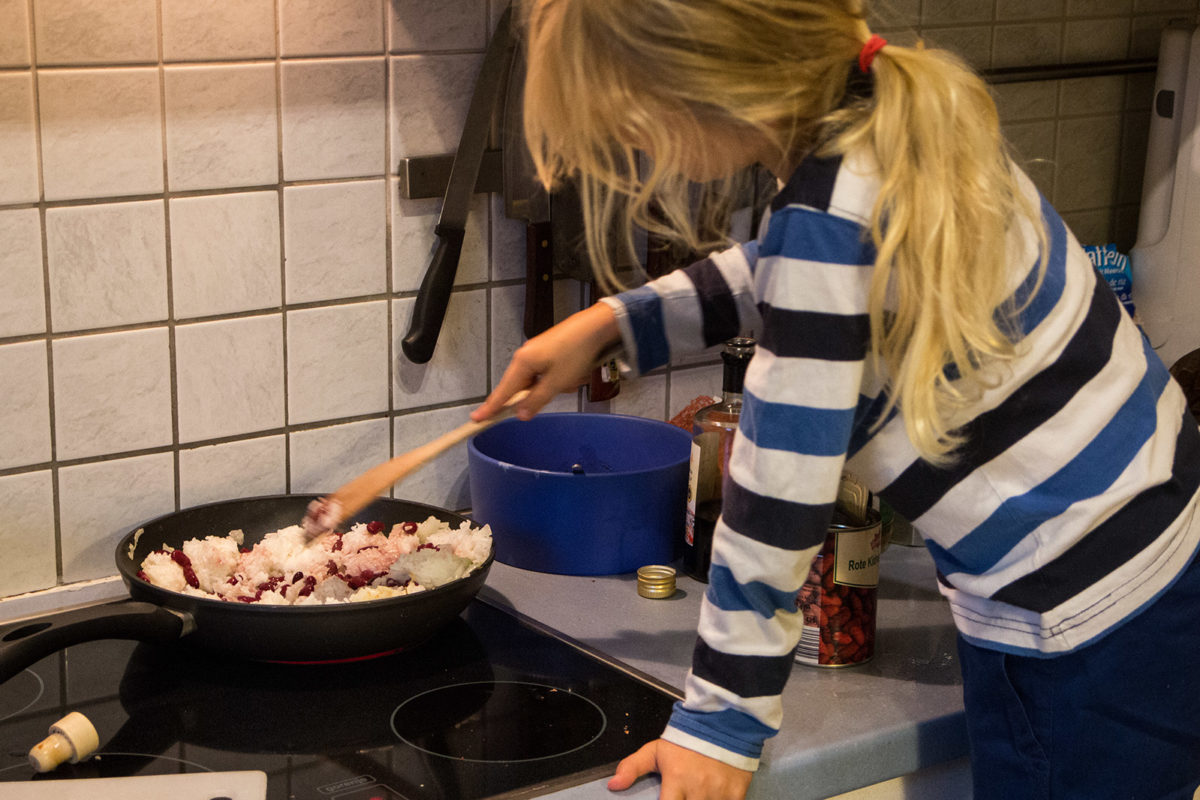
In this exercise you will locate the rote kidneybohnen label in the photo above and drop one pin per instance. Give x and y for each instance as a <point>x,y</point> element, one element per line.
<point>856,557</point>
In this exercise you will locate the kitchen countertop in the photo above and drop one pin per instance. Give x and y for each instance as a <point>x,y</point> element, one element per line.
<point>843,728</point>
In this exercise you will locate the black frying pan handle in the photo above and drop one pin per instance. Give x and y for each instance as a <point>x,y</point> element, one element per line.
<point>23,644</point>
<point>430,308</point>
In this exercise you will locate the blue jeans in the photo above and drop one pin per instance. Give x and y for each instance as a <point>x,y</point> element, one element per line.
<point>1119,718</point>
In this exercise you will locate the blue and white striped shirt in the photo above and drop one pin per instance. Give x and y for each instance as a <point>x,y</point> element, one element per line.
<point>1069,509</point>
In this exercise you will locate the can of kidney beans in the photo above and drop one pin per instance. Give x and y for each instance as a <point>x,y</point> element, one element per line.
<point>838,599</point>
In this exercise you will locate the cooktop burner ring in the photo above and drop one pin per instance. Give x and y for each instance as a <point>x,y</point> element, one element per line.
<point>23,677</point>
<point>557,721</point>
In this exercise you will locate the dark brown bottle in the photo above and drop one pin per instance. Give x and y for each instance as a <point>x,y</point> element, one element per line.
<point>712,442</point>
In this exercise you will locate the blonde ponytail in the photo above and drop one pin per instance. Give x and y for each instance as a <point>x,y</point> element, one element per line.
<point>949,200</point>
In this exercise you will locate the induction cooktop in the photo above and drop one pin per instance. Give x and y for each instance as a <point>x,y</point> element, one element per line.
<point>493,706</point>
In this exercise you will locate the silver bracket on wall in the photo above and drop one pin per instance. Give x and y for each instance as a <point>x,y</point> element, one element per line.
<point>423,177</point>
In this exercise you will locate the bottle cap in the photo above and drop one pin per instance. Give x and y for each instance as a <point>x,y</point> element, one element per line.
<point>72,738</point>
<point>656,581</point>
<point>736,355</point>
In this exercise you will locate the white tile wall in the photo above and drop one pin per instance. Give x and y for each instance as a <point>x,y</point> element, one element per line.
<point>443,481</point>
<point>646,397</point>
<point>1027,43</point>
<point>222,127</point>
<point>211,30</point>
<point>229,375</point>
<point>333,118</point>
<point>225,253</point>
<point>29,509</point>
<point>688,384</point>
<point>1084,8</point>
<point>200,222</point>
<point>335,235</point>
<point>1096,40</point>
<point>25,414</point>
<point>957,12</point>
<point>1030,9</point>
<point>112,393</point>
<point>337,361</point>
<point>242,468</point>
<point>508,243</point>
<point>1023,101</point>
<point>14,34</point>
<point>430,95</point>
<point>18,143</point>
<point>100,502</point>
<point>325,458</point>
<point>95,31</point>
<point>508,308</point>
<point>448,25</point>
<point>22,303</point>
<point>331,27</point>
<point>458,369</point>
<point>108,264</point>
<point>1090,151</point>
<point>101,132</point>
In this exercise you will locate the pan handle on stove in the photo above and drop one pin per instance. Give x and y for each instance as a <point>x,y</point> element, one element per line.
<point>23,644</point>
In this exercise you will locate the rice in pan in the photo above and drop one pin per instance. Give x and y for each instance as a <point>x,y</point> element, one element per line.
<point>286,568</point>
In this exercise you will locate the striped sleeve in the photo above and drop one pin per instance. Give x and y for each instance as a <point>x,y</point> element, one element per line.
<point>800,400</point>
<point>688,310</point>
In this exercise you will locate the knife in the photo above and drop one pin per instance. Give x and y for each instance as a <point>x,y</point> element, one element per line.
<point>429,311</point>
<point>525,198</point>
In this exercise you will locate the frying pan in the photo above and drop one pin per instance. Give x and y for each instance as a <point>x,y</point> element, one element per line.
<point>336,632</point>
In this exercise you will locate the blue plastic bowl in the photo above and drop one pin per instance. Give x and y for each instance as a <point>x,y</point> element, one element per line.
<point>581,494</point>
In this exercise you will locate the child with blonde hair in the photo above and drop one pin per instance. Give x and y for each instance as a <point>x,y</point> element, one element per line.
<point>924,320</point>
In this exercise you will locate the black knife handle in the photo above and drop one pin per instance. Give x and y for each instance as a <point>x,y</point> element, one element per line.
<point>429,311</point>
<point>539,278</point>
<point>23,644</point>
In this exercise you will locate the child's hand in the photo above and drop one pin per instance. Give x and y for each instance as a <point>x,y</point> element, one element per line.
<point>558,360</point>
<point>686,775</point>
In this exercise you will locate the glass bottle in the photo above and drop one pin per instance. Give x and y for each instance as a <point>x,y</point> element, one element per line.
<point>712,441</point>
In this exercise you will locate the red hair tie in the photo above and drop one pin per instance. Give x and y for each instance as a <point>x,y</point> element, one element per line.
<point>869,49</point>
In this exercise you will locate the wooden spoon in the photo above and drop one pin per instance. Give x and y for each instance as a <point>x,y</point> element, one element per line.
<point>327,513</point>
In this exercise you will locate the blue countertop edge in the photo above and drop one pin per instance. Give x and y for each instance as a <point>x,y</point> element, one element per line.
<point>843,729</point>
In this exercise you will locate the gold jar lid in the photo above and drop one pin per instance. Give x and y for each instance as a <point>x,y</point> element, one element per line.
<point>656,581</point>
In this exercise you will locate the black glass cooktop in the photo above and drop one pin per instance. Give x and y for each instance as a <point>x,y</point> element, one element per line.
<point>492,707</point>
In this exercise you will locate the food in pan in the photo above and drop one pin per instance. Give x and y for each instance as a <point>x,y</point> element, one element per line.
<point>289,568</point>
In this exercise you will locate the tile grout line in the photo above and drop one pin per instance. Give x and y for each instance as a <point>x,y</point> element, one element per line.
<point>490,236</point>
<point>389,209</point>
<point>280,175</point>
<point>189,193</point>
<point>168,261</point>
<point>56,505</point>
<point>106,66</point>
